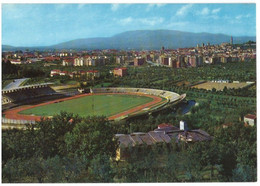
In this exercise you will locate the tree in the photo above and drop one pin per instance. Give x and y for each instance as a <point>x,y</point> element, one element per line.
<point>11,171</point>
<point>51,134</point>
<point>100,169</point>
<point>8,68</point>
<point>92,136</point>
<point>244,173</point>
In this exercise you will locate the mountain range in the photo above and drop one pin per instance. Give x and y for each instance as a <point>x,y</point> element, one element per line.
<point>142,40</point>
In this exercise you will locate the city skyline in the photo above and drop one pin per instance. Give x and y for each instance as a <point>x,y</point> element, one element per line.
<point>48,24</point>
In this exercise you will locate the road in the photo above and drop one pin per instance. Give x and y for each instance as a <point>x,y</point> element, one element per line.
<point>16,83</point>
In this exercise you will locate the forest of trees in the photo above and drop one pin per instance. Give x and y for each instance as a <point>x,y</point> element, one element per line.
<point>68,148</point>
<point>10,71</point>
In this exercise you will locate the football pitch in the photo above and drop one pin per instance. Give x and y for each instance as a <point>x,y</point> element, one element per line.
<point>105,105</point>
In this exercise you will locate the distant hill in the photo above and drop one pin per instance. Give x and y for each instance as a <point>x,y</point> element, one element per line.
<point>144,40</point>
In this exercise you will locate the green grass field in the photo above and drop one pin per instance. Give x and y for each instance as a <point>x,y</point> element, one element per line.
<point>106,105</point>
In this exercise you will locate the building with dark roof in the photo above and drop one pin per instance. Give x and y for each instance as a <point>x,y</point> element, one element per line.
<point>165,133</point>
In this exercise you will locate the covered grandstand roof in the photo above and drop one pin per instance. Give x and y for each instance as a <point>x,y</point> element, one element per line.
<point>24,87</point>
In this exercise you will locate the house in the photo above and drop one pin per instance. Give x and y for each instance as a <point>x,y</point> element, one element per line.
<point>164,125</point>
<point>51,58</point>
<point>84,61</point>
<point>138,61</point>
<point>120,71</point>
<point>55,72</point>
<point>250,119</point>
<point>120,59</point>
<point>90,62</point>
<point>193,61</point>
<point>82,72</point>
<point>78,62</point>
<point>174,63</point>
<point>68,62</point>
<point>71,75</point>
<point>63,73</point>
<point>93,74</point>
<point>16,62</point>
<point>165,61</point>
<point>165,133</point>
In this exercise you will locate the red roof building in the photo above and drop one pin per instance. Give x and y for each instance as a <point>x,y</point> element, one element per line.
<point>164,125</point>
<point>63,73</point>
<point>51,58</point>
<point>55,72</point>
<point>120,71</point>
<point>68,62</point>
<point>82,72</point>
<point>250,116</point>
<point>93,73</point>
<point>250,119</point>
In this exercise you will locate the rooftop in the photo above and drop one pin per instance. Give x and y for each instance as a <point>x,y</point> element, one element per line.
<point>162,135</point>
<point>122,68</point>
<point>250,116</point>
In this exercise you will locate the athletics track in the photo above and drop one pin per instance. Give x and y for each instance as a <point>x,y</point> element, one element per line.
<point>14,113</point>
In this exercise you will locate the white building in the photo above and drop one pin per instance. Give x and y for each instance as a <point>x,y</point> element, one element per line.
<point>250,119</point>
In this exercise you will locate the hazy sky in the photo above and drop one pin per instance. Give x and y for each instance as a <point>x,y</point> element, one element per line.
<point>47,24</point>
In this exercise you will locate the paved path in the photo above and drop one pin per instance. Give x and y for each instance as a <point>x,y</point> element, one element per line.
<point>14,113</point>
<point>15,84</point>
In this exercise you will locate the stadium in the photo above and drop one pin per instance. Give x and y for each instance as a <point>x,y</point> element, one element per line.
<point>28,104</point>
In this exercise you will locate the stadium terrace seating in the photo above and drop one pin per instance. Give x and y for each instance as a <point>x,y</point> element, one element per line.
<point>6,100</point>
<point>25,93</point>
<point>172,97</point>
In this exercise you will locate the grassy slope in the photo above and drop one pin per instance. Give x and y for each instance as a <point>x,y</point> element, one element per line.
<point>102,105</point>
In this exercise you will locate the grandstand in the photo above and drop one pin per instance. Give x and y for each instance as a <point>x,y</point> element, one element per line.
<point>170,96</point>
<point>26,93</point>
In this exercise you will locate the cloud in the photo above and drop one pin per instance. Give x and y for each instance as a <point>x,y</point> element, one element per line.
<point>183,10</point>
<point>215,11</point>
<point>204,11</point>
<point>114,7</point>
<point>151,21</point>
<point>237,19</point>
<point>242,16</point>
<point>125,21</point>
<point>151,6</point>
<point>209,14</point>
<point>143,21</point>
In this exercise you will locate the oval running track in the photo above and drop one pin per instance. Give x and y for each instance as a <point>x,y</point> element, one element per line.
<point>14,113</point>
